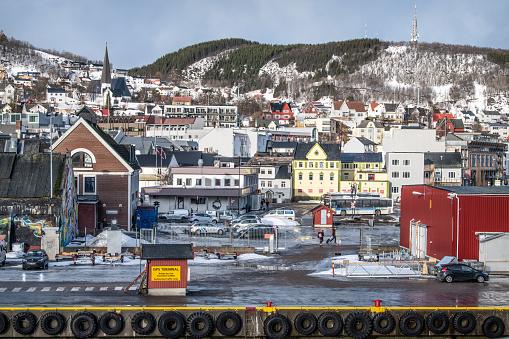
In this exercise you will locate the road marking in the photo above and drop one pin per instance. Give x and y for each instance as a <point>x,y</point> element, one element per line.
<point>118,288</point>
<point>31,289</point>
<point>46,289</point>
<point>2,289</point>
<point>88,289</point>
<point>74,289</point>
<point>133,288</point>
<point>16,289</point>
<point>103,289</point>
<point>60,289</point>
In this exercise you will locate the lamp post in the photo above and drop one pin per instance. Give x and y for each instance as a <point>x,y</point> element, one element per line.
<point>240,192</point>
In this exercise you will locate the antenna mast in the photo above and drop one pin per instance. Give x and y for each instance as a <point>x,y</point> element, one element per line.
<point>415,35</point>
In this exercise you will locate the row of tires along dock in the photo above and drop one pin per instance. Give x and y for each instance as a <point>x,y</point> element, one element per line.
<point>270,322</point>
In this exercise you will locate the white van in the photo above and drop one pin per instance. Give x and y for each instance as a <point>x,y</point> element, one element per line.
<point>289,214</point>
<point>179,214</point>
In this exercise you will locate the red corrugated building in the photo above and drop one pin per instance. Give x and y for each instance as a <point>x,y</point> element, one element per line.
<point>451,221</point>
<point>167,270</point>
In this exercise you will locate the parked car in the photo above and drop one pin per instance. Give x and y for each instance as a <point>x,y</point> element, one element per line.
<point>221,215</point>
<point>36,259</point>
<point>202,217</point>
<point>289,214</point>
<point>240,224</point>
<point>179,214</point>
<point>461,272</point>
<point>256,231</point>
<point>3,255</point>
<point>200,228</point>
<point>445,260</point>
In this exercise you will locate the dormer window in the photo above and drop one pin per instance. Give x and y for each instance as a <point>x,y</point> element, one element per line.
<point>81,159</point>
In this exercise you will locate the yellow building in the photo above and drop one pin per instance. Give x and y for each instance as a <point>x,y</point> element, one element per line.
<point>371,130</point>
<point>316,169</point>
<point>365,173</point>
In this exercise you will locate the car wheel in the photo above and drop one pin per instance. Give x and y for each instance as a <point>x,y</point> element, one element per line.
<point>183,218</point>
<point>343,213</point>
<point>480,279</point>
<point>198,232</point>
<point>214,221</point>
<point>449,279</point>
<point>220,232</point>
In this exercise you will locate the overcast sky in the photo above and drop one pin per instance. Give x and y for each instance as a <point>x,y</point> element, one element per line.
<point>140,31</point>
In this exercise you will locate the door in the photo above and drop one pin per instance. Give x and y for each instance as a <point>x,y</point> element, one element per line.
<point>180,202</point>
<point>323,217</point>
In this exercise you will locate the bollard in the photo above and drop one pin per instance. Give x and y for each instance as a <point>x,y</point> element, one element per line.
<point>332,269</point>
<point>377,302</point>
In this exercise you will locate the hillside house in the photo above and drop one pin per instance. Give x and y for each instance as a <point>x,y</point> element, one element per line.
<point>354,111</point>
<point>369,129</point>
<point>281,111</point>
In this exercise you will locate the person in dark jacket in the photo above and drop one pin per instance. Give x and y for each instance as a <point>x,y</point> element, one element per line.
<point>321,235</point>
<point>333,236</point>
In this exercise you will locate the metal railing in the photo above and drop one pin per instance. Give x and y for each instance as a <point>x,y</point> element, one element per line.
<point>378,269</point>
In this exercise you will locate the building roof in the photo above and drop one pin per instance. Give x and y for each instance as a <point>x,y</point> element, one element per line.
<point>283,173</point>
<point>278,106</point>
<point>391,107</point>
<point>27,176</point>
<point>333,151</point>
<point>457,123</point>
<point>361,157</point>
<point>364,124</point>
<point>358,106</point>
<point>56,90</point>
<point>185,99</point>
<point>167,251</point>
<point>337,105</point>
<point>491,113</point>
<point>106,73</point>
<point>502,190</point>
<point>449,159</point>
<point>366,141</point>
<point>119,88</point>
<point>284,144</point>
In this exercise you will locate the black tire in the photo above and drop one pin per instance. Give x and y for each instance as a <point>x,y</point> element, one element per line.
<point>107,319</point>
<point>171,324</point>
<point>358,325</point>
<point>325,319</point>
<point>448,279</point>
<point>276,326</point>
<point>343,213</point>
<point>464,322</point>
<point>220,232</point>
<point>52,323</point>
<point>411,324</point>
<point>377,213</point>
<point>493,327</point>
<point>3,323</point>
<point>199,325</point>
<point>83,325</point>
<point>24,323</point>
<point>480,279</point>
<point>437,322</point>
<point>384,323</point>
<point>226,318</point>
<point>305,323</point>
<point>143,323</point>
<point>198,232</point>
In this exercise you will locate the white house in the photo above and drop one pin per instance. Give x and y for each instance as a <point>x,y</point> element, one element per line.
<point>275,182</point>
<point>55,95</point>
<point>502,129</point>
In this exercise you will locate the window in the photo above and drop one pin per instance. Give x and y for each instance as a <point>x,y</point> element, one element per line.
<point>262,183</point>
<point>310,189</point>
<point>452,175</point>
<point>331,190</point>
<point>406,175</point>
<point>321,165</point>
<point>269,183</point>
<point>332,177</point>
<point>227,182</point>
<point>262,171</point>
<point>395,162</point>
<point>217,182</point>
<point>368,165</point>
<point>331,165</point>
<point>320,190</point>
<point>406,162</point>
<point>371,177</point>
<point>299,189</point>
<point>300,164</point>
<point>198,182</point>
<point>189,181</point>
<point>321,176</point>
<point>310,164</point>
<point>395,189</point>
<point>395,174</point>
<point>310,176</point>
<point>491,160</point>
<point>346,176</point>
<point>345,166</point>
<point>179,181</point>
<point>89,184</point>
<point>283,184</point>
<point>355,166</point>
<point>269,171</point>
<point>473,160</point>
<point>360,176</point>
<point>237,183</point>
<point>426,175</point>
<point>201,201</point>
<point>33,118</point>
<point>82,160</point>
<point>208,182</point>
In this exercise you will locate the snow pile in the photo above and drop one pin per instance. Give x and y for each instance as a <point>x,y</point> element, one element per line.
<point>310,202</point>
<point>102,241</point>
<point>14,255</point>
<point>280,222</point>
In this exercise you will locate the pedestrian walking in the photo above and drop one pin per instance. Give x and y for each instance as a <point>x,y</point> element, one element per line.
<point>321,235</point>
<point>267,203</point>
<point>333,236</point>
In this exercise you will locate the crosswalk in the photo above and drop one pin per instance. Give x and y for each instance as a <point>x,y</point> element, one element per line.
<point>32,289</point>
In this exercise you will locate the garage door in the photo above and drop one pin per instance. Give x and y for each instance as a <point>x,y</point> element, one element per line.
<point>418,239</point>
<point>494,252</point>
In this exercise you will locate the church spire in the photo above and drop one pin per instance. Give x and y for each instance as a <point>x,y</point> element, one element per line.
<point>106,75</point>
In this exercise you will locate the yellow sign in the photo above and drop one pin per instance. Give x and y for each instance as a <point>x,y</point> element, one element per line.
<point>165,273</point>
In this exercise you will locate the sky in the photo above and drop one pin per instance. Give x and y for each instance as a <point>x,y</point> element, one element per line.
<point>139,32</point>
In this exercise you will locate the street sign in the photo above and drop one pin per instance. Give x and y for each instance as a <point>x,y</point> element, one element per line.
<point>352,204</point>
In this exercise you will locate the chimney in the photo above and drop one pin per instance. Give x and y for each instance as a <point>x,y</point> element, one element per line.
<point>200,162</point>
<point>13,144</point>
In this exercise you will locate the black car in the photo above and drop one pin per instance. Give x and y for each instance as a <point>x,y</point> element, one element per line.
<point>36,259</point>
<point>460,272</point>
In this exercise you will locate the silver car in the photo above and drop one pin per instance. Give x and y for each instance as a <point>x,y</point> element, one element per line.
<point>200,228</point>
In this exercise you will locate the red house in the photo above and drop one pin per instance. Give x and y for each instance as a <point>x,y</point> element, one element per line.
<point>461,221</point>
<point>106,174</point>
<point>279,110</point>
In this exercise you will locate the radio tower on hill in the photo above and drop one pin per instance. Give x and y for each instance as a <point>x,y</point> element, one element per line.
<point>415,35</point>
